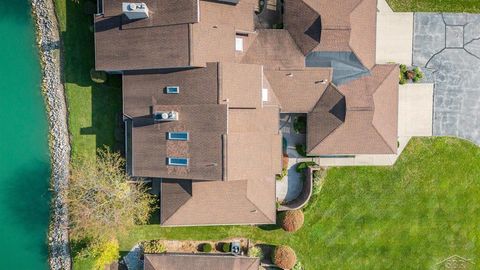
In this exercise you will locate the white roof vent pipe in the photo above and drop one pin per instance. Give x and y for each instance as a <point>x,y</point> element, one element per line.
<point>135,11</point>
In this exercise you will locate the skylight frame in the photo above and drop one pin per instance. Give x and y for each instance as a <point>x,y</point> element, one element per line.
<point>185,137</point>
<point>172,89</point>
<point>178,161</point>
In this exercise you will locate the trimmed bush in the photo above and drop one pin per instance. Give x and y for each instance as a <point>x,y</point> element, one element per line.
<point>292,220</point>
<point>298,266</point>
<point>226,247</point>
<point>153,246</point>
<point>255,252</point>
<point>302,166</point>
<point>207,247</point>
<point>284,257</point>
<point>300,124</point>
<point>279,177</point>
<point>98,76</point>
<point>301,149</point>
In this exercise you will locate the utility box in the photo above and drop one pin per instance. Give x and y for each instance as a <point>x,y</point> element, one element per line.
<point>135,11</point>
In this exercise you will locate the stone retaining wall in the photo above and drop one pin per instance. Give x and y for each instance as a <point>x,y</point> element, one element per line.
<point>48,39</point>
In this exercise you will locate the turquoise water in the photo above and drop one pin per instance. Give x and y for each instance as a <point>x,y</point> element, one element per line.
<point>24,158</point>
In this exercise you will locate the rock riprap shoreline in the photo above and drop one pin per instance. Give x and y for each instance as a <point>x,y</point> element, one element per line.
<point>48,39</point>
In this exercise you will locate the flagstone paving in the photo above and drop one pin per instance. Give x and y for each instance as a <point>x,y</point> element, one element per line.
<point>447,46</point>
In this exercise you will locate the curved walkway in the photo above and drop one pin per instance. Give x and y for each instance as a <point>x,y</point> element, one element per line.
<point>48,42</point>
<point>447,46</point>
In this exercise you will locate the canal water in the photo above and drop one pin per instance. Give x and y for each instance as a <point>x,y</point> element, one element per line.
<point>24,157</point>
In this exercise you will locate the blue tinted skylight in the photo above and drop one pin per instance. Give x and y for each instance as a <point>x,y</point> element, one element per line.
<point>173,89</point>
<point>178,136</point>
<point>177,161</point>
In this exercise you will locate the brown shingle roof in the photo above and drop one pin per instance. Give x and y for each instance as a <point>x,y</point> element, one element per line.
<point>225,202</point>
<point>151,47</point>
<point>328,115</point>
<point>370,125</point>
<point>274,49</point>
<point>299,90</point>
<point>344,25</point>
<point>170,261</point>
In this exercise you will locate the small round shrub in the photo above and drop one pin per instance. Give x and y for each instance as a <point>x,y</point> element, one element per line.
<point>255,252</point>
<point>284,257</point>
<point>207,247</point>
<point>298,266</point>
<point>226,247</point>
<point>98,76</point>
<point>153,246</point>
<point>292,220</point>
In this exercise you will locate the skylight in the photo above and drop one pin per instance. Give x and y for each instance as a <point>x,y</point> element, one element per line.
<point>172,89</point>
<point>178,136</point>
<point>177,161</point>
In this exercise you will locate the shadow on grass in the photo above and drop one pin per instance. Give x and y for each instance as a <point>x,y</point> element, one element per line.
<point>78,59</point>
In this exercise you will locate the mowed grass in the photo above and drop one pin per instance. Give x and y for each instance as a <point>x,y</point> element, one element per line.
<point>93,108</point>
<point>409,216</point>
<point>468,6</point>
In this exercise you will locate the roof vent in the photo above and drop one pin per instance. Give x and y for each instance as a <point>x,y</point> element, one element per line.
<point>165,116</point>
<point>135,11</point>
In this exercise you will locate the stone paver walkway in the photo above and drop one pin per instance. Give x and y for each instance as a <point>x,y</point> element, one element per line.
<point>448,47</point>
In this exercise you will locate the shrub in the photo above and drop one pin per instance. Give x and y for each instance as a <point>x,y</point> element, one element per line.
<point>300,124</point>
<point>402,80</point>
<point>255,252</point>
<point>284,257</point>
<point>403,69</point>
<point>98,76</point>
<point>207,247</point>
<point>153,246</point>
<point>304,165</point>
<point>292,220</point>
<point>282,175</point>
<point>298,266</point>
<point>301,149</point>
<point>318,177</point>
<point>106,253</point>
<point>226,247</point>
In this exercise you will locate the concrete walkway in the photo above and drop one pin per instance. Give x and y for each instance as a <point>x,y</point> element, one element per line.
<point>394,36</point>
<point>449,46</point>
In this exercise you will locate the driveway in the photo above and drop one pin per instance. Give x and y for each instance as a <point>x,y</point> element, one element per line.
<point>447,46</point>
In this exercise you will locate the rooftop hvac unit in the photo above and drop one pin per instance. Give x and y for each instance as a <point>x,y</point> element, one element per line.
<point>165,116</point>
<point>135,11</point>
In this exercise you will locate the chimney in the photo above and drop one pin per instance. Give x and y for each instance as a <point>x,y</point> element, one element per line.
<point>135,11</point>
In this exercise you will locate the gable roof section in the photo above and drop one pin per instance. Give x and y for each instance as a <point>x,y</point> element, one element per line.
<point>328,115</point>
<point>169,261</point>
<point>274,49</point>
<point>143,48</point>
<point>225,203</point>
<point>174,193</point>
<point>344,25</point>
<point>303,23</point>
<point>299,90</point>
<point>370,125</point>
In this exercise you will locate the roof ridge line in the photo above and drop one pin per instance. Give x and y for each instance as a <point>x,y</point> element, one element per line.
<point>385,78</point>
<point>383,139</point>
<point>176,210</point>
<point>258,209</point>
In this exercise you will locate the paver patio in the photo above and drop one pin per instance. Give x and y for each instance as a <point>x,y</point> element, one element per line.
<point>448,47</point>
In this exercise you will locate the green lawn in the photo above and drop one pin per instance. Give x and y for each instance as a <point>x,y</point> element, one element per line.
<point>469,6</point>
<point>92,107</point>
<point>409,216</point>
